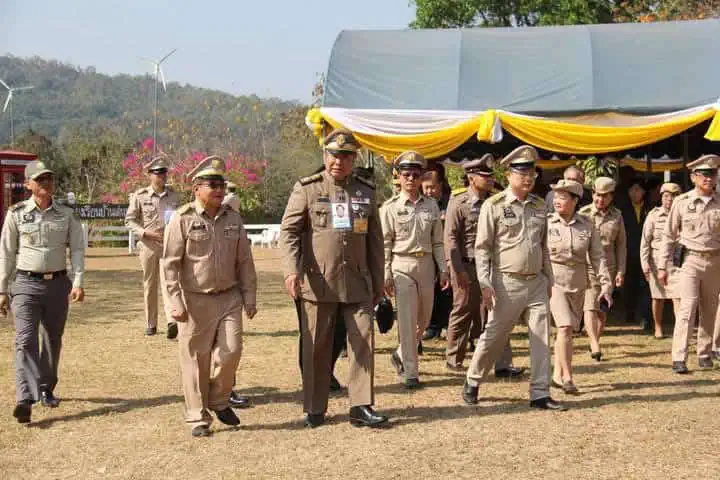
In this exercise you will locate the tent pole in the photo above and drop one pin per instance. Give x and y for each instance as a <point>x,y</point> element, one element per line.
<point>686,158</point>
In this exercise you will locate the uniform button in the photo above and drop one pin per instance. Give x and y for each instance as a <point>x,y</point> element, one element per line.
<point>344,242</point>
<point>344,262</point>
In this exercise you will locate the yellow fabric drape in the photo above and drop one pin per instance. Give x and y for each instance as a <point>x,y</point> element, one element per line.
<point>588,139</point>
<point>657,167</point>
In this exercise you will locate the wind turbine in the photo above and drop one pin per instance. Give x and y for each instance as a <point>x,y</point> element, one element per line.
<point>159,76</point>
<point>9,102</point>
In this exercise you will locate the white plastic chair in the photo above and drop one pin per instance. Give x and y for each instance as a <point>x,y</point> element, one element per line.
<point>256,238</point>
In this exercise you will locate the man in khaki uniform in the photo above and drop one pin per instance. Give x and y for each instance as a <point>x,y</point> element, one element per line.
<point>652,249</point>
<point>572,241</point>
<point>333,266</point>
<point>694,224</point>
<point>35,238</point>
<point>210,277</point>
<point>609,222</point>
<point>149,211</point>
<point>515,277</point>
<point>461,220</point>
<point>413,238</point>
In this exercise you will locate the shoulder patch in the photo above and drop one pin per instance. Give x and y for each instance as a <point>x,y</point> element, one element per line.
<point>368,183</point>
<point>459,191</point>
<point>497,198</point>
<point>311,179</point>
<point>185,208</point>
<point>17,206</point>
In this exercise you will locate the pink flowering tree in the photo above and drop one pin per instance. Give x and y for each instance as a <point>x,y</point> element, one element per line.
<point>245,172</point>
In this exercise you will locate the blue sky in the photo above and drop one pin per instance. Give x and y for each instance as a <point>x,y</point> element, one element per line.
<point>270,47</point>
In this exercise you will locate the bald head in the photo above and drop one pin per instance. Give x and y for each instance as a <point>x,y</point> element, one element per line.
<point>575,173</point>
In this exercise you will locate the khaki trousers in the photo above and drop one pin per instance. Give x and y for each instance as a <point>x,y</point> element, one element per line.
<point>210,345</point>
<point>516,299</point>
<point>153,277</point>
<point>318,329</point>
<point>467,321</point>
<point>414,279</point>
<point>698,289</point>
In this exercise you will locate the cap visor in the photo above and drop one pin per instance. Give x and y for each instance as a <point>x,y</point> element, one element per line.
<point>41,172</point>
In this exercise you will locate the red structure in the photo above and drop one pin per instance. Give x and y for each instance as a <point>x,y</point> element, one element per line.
<point>12,172</point>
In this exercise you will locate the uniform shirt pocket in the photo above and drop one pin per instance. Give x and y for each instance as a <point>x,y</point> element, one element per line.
<point>320,214</point>
<point>57,233</point>
<point>29,234</point>
<point>199,243</point>
<point>404,226</point>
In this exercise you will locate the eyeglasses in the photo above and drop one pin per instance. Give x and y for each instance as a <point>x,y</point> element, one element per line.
<point>525,173</point>
<point>214,184</point>
<point>706,173</point>
<point>411,173</point>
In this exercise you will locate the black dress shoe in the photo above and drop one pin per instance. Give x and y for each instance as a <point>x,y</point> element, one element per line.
<point>150,331</point>
<point>48,399</point>
<point>335,384</point>
<point>705,363</point>
<point>397,363</point>
<point>470,394</point>
<point>200,431</point>
<point>454,368</point>
<point>412,384</point>
<point>238,401</point>
<point>314,420</point>
<point>23,411</point>
<point>365,416</point>
<point>420,348</point>
<point>512,372</point>
<point>596,356</point>
<point>227,416</point>
<point>430,333</point>
<point>680,368</point>
<point>547,403</point>
<point>172,331</point>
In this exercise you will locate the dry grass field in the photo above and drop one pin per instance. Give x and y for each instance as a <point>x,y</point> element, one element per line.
<point>121,415</point>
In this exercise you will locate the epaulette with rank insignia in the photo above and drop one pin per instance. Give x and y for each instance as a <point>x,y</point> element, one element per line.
<point>459,191</point>
<point>497,198</point>
<point>391,199</point>
<point>17,206</point>
<point>683,196</point>
<point>585,209</point>
<point>368,183</point>
<point>537,201</point>
<point>185,208</point>
<point>311,179</point>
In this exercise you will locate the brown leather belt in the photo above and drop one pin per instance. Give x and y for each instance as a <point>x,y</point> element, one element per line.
<point>413,254</point>
<point>521,276</point>
<point>42,276</point>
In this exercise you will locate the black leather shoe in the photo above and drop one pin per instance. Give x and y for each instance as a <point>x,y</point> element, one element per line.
<point>512,372</point>
<point>150,331</point>
<point>365,416</point>
<point>23,412</point>
<point>596,356</point>
<point>705,363</point>
<point>200,431</point>
<point>335,384</point>
<point>430,333</point>
<point>547,403</point>
<point>420,348</point>
<point>412,384</point>
<point>454,368</point>
<point>397,363</point>
<point>470,394</point>
<point>238,401</point>
<point>172,331</point>
<point>227,416</point>
<point>680,368</point>
<point>314,420</point>
<point>48,399</point>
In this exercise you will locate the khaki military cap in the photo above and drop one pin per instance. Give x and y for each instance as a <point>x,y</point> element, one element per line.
<point>480,166</point>
<point>604,185</point>
<point>341,140</point>
<point>522,158</point>
<point>36,168</point>
<point>570,186</point>
<point>158,162</point>
<point>669,187</point>
<point>410,159</point>
<point>212,166</point>
<point>706,162</point>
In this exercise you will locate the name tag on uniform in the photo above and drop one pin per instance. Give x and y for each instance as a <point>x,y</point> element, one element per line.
<point>340,216</point>
<point>198,227</point>
<point>362,200</point>
<point>28,218</point>
<point>232,231</point>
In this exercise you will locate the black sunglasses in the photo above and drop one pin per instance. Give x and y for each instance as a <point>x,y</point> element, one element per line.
<point>160,171</point>
<point>214,184</point>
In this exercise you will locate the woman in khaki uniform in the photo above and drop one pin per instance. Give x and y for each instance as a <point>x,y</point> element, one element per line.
<point>651,252</point>
<point>571,239</point>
